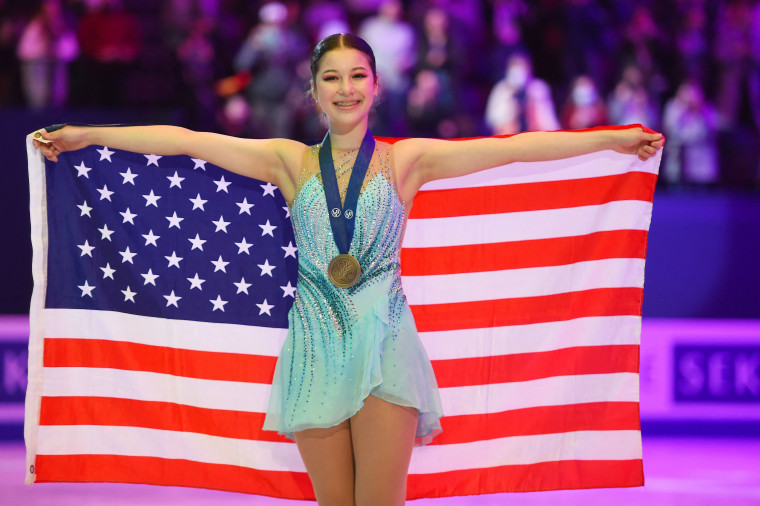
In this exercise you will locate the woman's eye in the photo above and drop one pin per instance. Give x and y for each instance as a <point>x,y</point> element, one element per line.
<point>360,76</point>
<point>330,78</point>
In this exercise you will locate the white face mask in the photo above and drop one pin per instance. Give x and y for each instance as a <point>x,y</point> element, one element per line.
<point>517,76</point>
<point>584,95</point>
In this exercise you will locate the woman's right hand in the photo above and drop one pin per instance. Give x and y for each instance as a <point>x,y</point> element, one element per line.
<point>68,138</point>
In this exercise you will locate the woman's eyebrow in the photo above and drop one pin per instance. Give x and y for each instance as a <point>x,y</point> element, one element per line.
<point>333,70</point>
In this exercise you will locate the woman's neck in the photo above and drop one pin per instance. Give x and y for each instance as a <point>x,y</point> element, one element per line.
<point>346,137</point>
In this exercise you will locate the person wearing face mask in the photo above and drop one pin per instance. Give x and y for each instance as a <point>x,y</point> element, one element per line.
<point>584,108</point>
<point>520,102</point>
<point>353,385</point>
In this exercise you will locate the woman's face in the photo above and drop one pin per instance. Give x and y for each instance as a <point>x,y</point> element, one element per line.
<point>345,86</point>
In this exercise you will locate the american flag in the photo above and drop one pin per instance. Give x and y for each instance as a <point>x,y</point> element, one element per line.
<point>162,286</point>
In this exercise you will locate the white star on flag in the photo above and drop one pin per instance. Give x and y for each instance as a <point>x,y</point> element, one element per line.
<point>266,268</point>
<point>85,209</point>
<point>196,282</point>
<point>107,271</point>
<point>175,180</point>
<point>151,199</point>
<point>174,220</point>
<point>86,249</point>
<point>289,290</point>
<point>218,303</point>
<point>105,193</point>
<point>86,289</point>
<point>82,170</point>
<point>220,265</point>
<point>129,177</point>
<point>105,154</point>
<point>150,278</point>
<point>199,164</point>
<point>221,185</point>
<point>127,256</point>
<point>265,308</point>
<point>153,160</point>
<point>242,286</point>
<point>151,238</point>
<point>174,260</point>
<point>287,211</point>
<point>244,206</point>
<point>105,233</point>
<point>128,216</point>
<point>221,224</point>
<point>267,229</point>
<point>198,202</point>
<point>197,243</point>
<point>269,189</point>
<point>290,250</point>
<point>129,295</point>
<point>171,300</point>
<point>243,247</point>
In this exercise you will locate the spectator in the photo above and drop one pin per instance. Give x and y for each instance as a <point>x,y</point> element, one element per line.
<point>584,108</point>
<point>111,43</point>
<point>47,46</point>
<point>631,102</point>
<point>394,43</point>
<point>429,109</point>
<point>520,101</point>
<point>691,126</point>
<point>271,53</point>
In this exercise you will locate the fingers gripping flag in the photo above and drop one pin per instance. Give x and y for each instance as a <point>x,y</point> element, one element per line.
<point>162,286</point>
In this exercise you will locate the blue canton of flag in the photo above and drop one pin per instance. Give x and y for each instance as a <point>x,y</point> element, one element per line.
<point>172,237</point>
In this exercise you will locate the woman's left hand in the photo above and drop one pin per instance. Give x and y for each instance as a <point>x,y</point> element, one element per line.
<point>635,141</point>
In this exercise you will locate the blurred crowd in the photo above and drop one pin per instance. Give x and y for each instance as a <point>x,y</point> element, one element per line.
<point>448,68</point>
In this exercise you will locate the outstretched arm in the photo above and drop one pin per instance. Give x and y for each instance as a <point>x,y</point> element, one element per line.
<point>271,160</point>
<point>423,160</point>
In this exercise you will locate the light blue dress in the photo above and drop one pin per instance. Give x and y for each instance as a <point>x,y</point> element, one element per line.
<point>345,344</point>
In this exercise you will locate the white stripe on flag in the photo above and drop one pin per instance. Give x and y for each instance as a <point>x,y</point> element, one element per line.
<point>527,225</point>
<point>151,386</point>
<point>530,282</point>
<point>554,391</point>
<point>601,163</point>
<point>181,334</point>
<point>252,397</point>
<point>268,456</point>
<point>537,337</point>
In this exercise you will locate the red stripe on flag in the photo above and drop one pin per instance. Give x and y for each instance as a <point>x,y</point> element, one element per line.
<point>530,366</point>
<point>533,196</point>
<point>70,352</point>
<point>539,420</point>
<point>526,310</point>
<point>523,254</point>
<point>174,472</point>
<point>562,474</point>
<point>108,411</point>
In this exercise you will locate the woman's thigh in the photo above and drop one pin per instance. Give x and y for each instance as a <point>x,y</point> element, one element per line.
<point>383,437</point>
<point>328,456</point>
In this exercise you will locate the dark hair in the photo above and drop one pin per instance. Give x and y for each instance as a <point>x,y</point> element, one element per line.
<point>341,40</point>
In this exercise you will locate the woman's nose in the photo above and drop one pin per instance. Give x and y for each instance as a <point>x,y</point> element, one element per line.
<point>347,87</point>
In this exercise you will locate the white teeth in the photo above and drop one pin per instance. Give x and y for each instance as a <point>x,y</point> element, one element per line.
<point>346,103</point>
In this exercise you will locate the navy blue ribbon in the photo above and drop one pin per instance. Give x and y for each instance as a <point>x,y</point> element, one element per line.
<point>342,215</point>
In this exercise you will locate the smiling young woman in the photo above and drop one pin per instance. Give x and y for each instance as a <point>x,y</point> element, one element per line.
<point>353,385</point>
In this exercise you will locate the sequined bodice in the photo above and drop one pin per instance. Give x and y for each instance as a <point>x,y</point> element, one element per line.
<point>379,225</point>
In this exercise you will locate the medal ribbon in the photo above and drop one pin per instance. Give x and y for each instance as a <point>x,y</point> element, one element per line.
<point>342,216</point>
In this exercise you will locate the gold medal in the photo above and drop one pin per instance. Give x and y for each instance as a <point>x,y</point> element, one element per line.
<point>344,270</point>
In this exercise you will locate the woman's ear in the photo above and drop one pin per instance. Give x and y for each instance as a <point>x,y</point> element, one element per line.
<point>313,91</point>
